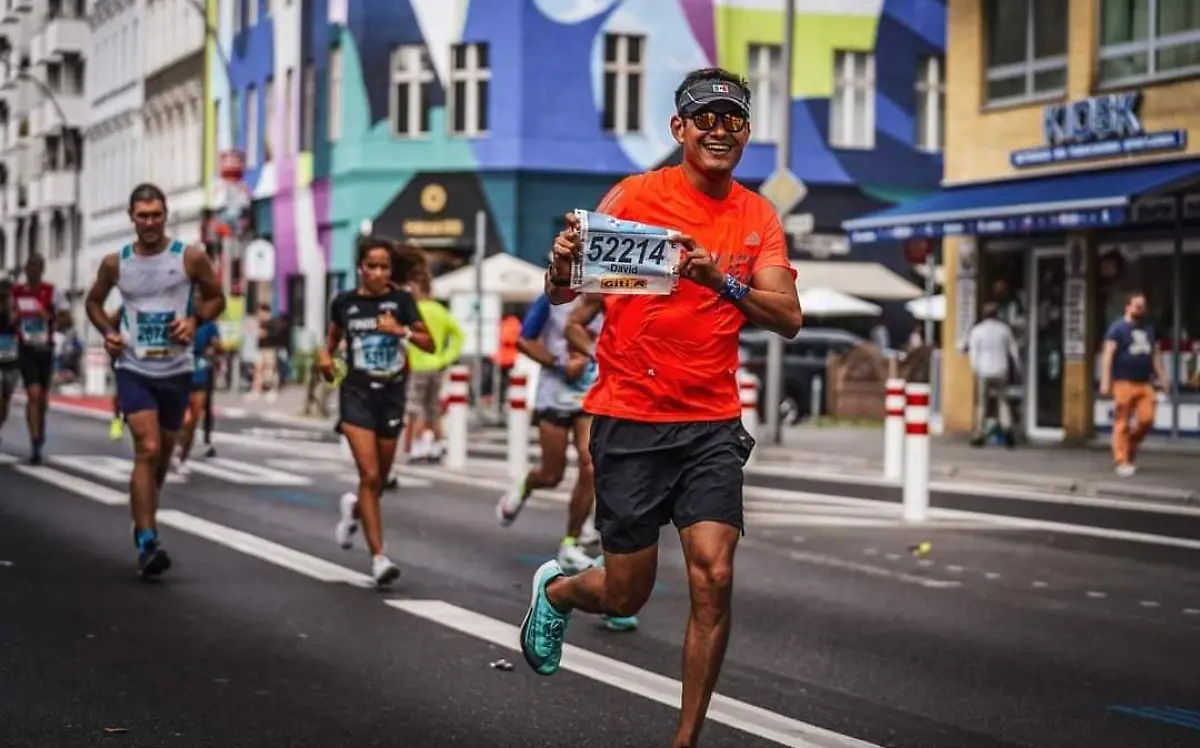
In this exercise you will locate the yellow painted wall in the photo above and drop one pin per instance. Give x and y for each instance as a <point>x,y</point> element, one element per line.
<point>978,143</point>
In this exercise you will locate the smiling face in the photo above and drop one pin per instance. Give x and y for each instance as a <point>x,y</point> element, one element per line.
<point>713,136</point>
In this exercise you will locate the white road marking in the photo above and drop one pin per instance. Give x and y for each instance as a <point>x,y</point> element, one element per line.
<point>954,569</point>
<point>1148,604</point>
<point>1191,611</point>
<point>1041,585</point>
<point>8,459</point>
<point>724,710</point>
<point>924,562</point>
<point>871,551</point>
<point>731,712</point>
<point>1096,594</point>
<point>991,575</point>
<point>76,485</point>
<point>246,474</point>
<point>892,557</point>
<point>875,571</point>
<point>105,467</point>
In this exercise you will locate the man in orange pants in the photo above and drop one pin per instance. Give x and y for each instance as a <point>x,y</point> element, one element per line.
<point>1130,369</point>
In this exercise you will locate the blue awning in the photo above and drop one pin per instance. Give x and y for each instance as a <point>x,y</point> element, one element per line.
<point>1019,206</point>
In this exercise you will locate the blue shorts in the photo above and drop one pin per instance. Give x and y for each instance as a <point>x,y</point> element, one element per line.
<point>168,396</point>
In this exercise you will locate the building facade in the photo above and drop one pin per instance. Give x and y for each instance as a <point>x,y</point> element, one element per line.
<point>43,110</point>
<point>418,114</point>
<point>1071,181</point>
<point>113,151</point>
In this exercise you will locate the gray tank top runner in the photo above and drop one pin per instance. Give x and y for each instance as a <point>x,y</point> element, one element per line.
<point>155,291</point>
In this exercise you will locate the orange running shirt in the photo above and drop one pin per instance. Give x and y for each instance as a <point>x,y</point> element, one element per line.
<point>673,359</point>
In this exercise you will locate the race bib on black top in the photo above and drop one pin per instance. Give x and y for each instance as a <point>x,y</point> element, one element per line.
<point>378,355</point>
<point>8,348</point>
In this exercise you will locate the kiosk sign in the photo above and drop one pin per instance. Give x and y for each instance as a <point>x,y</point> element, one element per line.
<point>1097,127</point>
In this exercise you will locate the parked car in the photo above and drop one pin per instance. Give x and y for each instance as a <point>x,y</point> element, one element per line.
<point>804,359</point>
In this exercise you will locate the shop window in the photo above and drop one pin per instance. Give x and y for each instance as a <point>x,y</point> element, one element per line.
<point>1150,269</point>
<point>411,100</point>
<point>852,109</point>
<point>1026,49</point>
<point>624,75</point>
<point>1148,38</point>
<point>470,82</point>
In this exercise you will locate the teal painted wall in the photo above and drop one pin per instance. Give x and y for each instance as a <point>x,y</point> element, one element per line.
<point>543,199</point>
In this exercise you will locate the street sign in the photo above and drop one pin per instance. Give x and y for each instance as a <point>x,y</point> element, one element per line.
<point>784,189</point>
<point>258,262</point>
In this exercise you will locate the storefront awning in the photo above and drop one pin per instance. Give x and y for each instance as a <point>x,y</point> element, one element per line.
<point>1049,203</point>
<point>866,280</point>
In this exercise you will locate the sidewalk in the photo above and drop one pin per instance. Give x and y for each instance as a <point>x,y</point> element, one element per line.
<point>1171,473</point>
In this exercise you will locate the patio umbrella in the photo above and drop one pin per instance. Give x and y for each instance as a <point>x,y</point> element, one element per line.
<point>932,308</point>
<point>825,302</point>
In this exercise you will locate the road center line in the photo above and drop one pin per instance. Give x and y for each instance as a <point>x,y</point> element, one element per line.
<point>731,712</point>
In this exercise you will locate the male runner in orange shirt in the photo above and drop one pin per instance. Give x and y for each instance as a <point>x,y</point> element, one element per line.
<point>667,440</point>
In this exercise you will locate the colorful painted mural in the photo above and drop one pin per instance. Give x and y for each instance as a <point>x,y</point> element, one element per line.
<point>546,150</point>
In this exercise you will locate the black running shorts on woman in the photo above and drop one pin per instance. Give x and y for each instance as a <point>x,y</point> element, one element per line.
<point>649,474</point>
<point>373,391</point>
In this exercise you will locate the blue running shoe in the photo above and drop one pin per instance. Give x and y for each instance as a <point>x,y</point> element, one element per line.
<point>152,559</point>
<point>544,627</point>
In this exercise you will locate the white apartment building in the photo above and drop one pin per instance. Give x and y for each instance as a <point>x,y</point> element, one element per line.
<point>173,113</point>
<point>113,154</point>
<point>43,109</point>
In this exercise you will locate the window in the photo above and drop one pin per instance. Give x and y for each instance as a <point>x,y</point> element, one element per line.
<point>852,110</point>
<point>251,12</point>
<point>470,78</point>
<point>335,94</point>
<point>1145,38</point>
<point>308,107</point>
<point>251,126</point>
<point>412,85</point>
<point>624,73</point>
<point>766,82</point>
<point>931,104</point>
<point>268,139</point>
<point>288,97</point>
<point>1026,49</point>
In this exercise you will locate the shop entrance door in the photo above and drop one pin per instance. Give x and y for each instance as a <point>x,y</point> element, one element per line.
<point>1044,364</point>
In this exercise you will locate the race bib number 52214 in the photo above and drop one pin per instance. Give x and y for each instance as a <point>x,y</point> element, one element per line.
<point>624,257</point>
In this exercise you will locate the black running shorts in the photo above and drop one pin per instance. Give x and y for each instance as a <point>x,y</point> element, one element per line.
<point>37,366</point>
<point>649,474</point>
<point>374,406</point>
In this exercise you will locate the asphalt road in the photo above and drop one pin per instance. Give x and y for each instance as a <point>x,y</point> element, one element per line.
<point>263,633</point>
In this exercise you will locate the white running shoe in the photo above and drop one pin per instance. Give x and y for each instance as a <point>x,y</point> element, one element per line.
<point>589,535</point>
<point>572,558</point>
<point>384,571</point>
<point>510,505</point>
<point>347,525</point>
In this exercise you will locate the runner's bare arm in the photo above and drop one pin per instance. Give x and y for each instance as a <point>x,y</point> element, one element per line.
<point>420,337</point>
<point>106,280</point>
<point>200,269</point>
<point>773,302</point>
<point>576,332</point>
<point>562,255</point>
<point>536,351</point>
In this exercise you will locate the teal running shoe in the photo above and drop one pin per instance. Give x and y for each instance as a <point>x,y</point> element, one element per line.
<point>544,627</point>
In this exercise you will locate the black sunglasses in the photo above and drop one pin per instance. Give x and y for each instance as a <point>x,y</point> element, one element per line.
<point>706,120</point>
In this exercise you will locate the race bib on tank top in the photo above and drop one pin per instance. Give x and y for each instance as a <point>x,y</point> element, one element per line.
<point>152,335</point>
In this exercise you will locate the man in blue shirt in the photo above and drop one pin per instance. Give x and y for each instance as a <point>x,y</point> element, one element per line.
<point>1130,368</point>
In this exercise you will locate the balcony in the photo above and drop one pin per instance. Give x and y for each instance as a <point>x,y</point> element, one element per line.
<point>44,119</point>
<point>60,36</point>
<point>52,189</point>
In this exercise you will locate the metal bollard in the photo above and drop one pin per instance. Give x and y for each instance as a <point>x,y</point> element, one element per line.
<point>748,392</point>
<point>916,453</point>
<point>95,374</point>
<point>893,430</point>
<point>457,388</point>
<point>518,427</point>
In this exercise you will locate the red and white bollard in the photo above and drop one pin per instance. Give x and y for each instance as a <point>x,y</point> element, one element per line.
<point>748,392</point>
<point>457,390</point>
<point>916,452</point>
<point>518,427</point>
<point>893,430</point>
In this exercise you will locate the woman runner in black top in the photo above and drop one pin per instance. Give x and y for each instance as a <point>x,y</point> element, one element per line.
<point>378,322</point>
